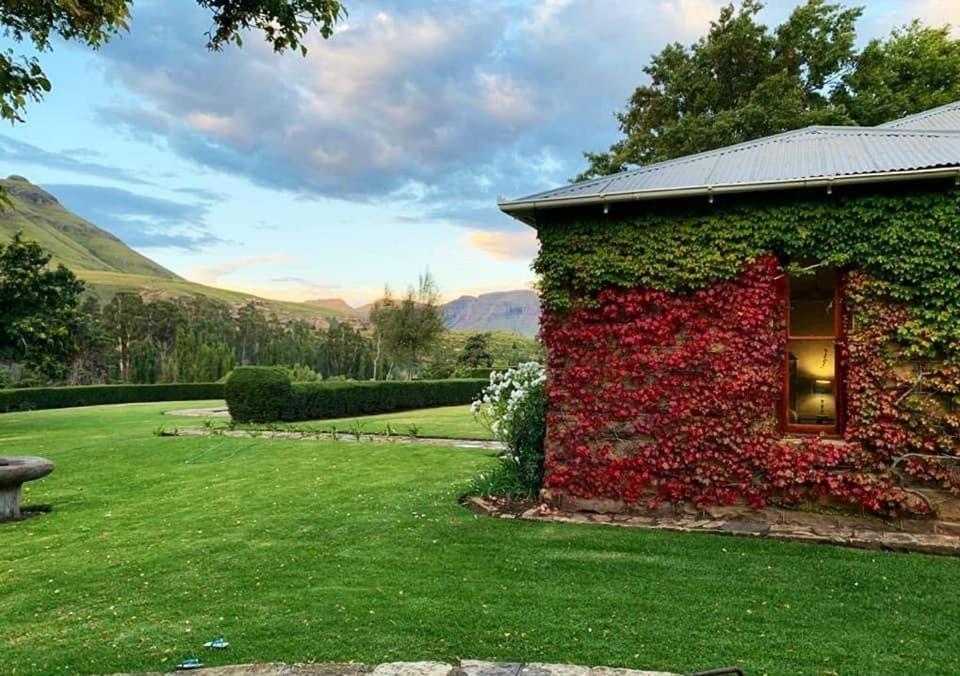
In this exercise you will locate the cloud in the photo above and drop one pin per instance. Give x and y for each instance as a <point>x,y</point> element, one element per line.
<point>505,246</point>
<point>938,12</point>
<point>139,220</point>
<point>439,104</point>
<point>690,18</point>
<point>74,160</point>
<point>211,274</point>
<point>395,100</point>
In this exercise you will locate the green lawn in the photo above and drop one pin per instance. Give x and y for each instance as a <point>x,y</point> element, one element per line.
<point>333,551</point>
<point>448,422</point>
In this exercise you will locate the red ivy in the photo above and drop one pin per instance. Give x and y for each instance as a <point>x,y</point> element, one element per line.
<point>668,397</point>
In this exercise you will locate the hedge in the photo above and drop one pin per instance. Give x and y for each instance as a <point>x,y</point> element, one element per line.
<point>256,394</point>
<point>91,395</point>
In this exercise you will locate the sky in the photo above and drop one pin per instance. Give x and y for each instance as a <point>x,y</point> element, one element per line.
<point>378,156</point>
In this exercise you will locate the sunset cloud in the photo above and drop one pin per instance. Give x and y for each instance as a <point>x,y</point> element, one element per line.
<point>505,246</point>
<point>939,12</point>
<point>213,274</point>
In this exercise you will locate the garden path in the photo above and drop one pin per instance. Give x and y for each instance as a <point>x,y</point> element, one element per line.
<point>462,668</point>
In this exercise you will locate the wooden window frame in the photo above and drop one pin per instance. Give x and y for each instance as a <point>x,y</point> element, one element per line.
<point>835,430</point>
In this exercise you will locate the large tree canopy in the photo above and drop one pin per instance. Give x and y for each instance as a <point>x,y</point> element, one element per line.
<point>38,306</point>
<point>93,22</point>
<point>743,81</point>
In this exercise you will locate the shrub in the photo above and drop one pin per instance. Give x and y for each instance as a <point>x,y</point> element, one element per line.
<point>514,407</point>
<point>91,395</point>
<point>257,393</point>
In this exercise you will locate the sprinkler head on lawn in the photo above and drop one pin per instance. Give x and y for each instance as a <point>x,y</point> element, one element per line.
<point>14,472</point>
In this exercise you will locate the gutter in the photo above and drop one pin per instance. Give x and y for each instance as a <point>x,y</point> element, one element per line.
<point>710,191</point>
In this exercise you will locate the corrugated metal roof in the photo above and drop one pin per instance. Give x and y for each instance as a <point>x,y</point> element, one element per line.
<point>795,159</point>
<point>943,118</point>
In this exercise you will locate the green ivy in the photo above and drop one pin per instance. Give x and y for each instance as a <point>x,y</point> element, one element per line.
<point>908,238</point>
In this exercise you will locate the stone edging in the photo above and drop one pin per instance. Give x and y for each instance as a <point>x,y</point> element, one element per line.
<point>329,436</point>
<point>462,668</point>
<point>826,531</point>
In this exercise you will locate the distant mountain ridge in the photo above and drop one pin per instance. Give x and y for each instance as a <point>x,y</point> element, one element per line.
<point>516,311</point>
<point>510,311</point>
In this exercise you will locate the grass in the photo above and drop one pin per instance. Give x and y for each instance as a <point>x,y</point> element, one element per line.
<point>333,551</point>
<point>448,422</point>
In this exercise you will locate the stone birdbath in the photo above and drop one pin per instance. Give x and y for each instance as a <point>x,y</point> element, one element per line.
<point>14,472</point>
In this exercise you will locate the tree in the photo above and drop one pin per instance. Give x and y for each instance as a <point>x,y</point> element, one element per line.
<point>381,315</point>
<point>123,317</point>
<point>408,328</point>
<point>916,69</point>
<point>92,345</point>
<point>251,333</point>
<point>38,307</point>
<point>742,81</point>
<point>476,352</point>
<point>161,319</point>
<point>284,23</point>
<point>145,361</point>
<point>345,351</point>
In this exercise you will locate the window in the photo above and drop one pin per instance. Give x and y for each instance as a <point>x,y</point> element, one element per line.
<point>811,396</point>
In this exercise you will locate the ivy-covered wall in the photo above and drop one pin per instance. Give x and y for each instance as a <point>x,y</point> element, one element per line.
<point>665,335</point>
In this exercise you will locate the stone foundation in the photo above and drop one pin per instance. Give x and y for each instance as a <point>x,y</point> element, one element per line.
<point>823,515</point>
<point>927,536</point>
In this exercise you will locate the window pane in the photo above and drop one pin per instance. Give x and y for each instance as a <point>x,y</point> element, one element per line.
<point>811,386</point>
<point>812,303</point>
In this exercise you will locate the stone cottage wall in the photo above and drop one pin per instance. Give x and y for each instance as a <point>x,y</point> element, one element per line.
<point>664,329</point>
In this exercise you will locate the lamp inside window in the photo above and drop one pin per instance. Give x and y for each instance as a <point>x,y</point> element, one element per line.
<point>811,393</point>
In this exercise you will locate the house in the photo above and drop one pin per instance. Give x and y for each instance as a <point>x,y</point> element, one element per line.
<point>774,322</point>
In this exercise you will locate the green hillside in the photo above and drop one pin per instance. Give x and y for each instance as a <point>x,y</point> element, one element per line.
<point>105,285</point>
<point>109,266</point>
<point>76,243</point>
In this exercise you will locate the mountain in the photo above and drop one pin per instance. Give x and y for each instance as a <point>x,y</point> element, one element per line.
<point>108,266</point>
<point>338,304</point>
<point>516,311</point>
<point>76,243</point>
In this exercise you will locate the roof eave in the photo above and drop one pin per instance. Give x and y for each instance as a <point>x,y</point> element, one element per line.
<point>525,210</point>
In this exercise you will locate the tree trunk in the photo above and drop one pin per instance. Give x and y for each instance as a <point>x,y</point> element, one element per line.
<point>376,358</point>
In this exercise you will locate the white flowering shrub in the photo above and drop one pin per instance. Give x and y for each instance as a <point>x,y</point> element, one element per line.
<point>514,407</point>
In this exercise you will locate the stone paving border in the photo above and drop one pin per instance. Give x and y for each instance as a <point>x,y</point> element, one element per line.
<point>329,436</point>
<point>217,412</point>
<point>462,668</point>
<point>818,529</point>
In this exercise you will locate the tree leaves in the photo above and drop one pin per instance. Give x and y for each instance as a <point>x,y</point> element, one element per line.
<point>284,24</point>
<point>743,82</point>
<point>38,306</point>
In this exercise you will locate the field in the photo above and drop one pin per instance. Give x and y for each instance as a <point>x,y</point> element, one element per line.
<point>334,551</point>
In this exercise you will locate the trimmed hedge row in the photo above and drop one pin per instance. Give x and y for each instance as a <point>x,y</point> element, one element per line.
<point>92,395</point>
<point>258,394</point>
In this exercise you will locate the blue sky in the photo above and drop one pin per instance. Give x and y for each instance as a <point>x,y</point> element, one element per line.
<point>379,155</point>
